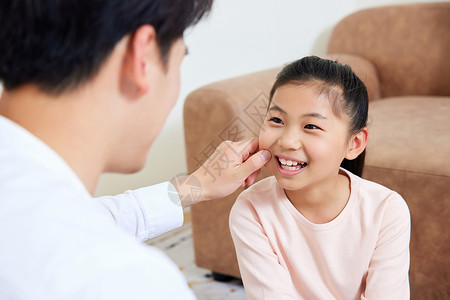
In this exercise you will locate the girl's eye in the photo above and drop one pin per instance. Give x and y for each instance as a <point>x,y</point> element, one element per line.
<point>311,126</point>
<point>276,120</point>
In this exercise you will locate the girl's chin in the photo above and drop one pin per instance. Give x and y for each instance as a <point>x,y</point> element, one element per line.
<point>290,188</point>
<point>289,184</point>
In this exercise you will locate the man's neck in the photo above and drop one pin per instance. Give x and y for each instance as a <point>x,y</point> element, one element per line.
<point>56,121</point>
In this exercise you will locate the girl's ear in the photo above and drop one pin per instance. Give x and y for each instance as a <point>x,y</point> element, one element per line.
<point>357,144</point>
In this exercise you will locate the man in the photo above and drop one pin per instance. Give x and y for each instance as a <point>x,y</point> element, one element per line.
<point>88,85</point>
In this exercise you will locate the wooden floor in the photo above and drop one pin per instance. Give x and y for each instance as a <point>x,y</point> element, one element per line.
<point>187,216</point>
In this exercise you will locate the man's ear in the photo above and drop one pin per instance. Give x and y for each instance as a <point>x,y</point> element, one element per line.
<point>142,51</point>
<point>357,144</point>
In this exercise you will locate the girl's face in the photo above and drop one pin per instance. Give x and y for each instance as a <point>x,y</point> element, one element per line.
<point>306,139</point>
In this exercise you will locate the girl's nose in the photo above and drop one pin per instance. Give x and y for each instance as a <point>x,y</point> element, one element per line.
<point>290,140</point>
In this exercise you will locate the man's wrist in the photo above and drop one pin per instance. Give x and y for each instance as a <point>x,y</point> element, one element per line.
<point>189,189</point>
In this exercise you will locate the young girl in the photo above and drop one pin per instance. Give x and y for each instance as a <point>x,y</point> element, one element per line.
<point>315,230</point>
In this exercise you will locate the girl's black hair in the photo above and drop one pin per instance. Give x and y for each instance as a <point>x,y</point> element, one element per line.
<point>346,91</point>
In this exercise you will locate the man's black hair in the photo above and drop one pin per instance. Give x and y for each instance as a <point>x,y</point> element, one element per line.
<point>59,44</point>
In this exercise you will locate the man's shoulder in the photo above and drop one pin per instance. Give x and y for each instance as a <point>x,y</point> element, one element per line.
<point>82,252</point>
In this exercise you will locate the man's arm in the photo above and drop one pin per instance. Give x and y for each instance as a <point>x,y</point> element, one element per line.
<point>150,211</point>
<point>146,212</point>
<point>232,165</point>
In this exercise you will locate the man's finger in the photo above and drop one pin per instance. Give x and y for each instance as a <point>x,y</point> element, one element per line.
<point>251,148</point>
<point>254,163</point>
<point>251,179</point>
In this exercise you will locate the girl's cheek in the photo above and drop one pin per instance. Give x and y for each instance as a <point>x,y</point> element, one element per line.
<point>266,137</point>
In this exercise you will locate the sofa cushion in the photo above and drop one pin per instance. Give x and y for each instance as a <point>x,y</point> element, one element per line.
<point>409,144</point>
<point>411,134</point>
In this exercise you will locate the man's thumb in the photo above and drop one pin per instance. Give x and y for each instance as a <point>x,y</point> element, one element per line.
<point>255,162</point>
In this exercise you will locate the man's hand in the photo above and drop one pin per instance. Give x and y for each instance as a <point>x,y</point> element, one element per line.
<point>232,165</point>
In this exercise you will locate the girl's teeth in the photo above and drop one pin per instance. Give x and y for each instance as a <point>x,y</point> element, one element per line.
<point>290,168</point>
<point>288,162</point>
<point>291,165</point>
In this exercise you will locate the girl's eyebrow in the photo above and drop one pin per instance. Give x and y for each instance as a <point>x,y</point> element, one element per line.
<point>313,114</point>
<point>277,108</point>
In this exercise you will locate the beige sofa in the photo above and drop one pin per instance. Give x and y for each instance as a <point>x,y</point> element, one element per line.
<point>402,53</point>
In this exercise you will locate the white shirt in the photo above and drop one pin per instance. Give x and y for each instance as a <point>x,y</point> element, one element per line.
<point>57,242</point>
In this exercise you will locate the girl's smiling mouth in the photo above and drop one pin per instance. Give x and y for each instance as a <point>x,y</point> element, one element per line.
<point>289,166</point>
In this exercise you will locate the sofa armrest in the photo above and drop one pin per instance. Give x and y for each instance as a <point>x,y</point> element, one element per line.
<point>364,69</point>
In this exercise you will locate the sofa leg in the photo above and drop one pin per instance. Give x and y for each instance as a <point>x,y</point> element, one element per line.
<point>222,277</point>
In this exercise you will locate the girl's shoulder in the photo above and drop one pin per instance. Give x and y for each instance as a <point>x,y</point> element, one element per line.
<point>364,188</point>
<point>376,197</point>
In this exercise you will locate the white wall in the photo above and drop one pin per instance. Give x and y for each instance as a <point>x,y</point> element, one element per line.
<point>370,3</point>
<point>240,36</point>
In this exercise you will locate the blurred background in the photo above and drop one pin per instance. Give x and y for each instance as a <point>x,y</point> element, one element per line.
<point>237,38</point>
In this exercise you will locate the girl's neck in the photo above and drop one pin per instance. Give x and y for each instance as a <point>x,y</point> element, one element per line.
<point>323,203</point>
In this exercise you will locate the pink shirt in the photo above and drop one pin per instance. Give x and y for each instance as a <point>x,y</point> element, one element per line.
<point>361,254</point>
